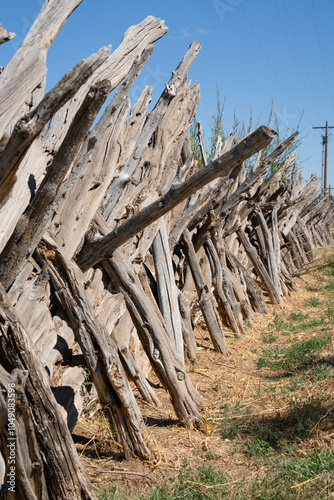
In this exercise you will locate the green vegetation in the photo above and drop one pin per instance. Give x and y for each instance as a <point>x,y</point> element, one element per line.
<point>330,286</point>
<point>296,357</point>
<point>200,484</point>
<point>321,372</point>
<point>302,474</point>
<point>328,268</point>
<point>312,302</point>
<point>240,128</point>
<point>216,385</point>
<point>111,493</point>
<point>296,323</point>
<point>268,338</point>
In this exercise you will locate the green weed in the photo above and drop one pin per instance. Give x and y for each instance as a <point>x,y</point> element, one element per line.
<point>312,323</point>
<point>328,268</point>
<point>200,484</point>
<point>330,286</point>
<point>296,323</point>
<point>295,383</point>
<point>298,469</point>
<point>296,357</point>
<point>231,426</point>
<point>312,302</point>
<point>301,474</point>
<point>312,288</point>
<point>111,493</point>
<point>268,338</point>
<point>216,385</point>
<point>210,453</point>
<point>258,448</point>
<point>278,323</point>
<point>321,372</point>
<point>297,317</point>
<point>328,313</point>
<point>308,476</point>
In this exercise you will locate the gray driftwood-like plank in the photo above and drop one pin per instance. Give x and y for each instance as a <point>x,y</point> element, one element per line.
<point>33,222</point>
<point>152,331</point>
<point>32,124</point>
<point>135,40</point>
<point>106,144</point>
<point>118,64</point>
<point>206,300</point>
<point>259,267</point>
<point>48,462</point>
<point>167,289</point>
<point>27,69</point>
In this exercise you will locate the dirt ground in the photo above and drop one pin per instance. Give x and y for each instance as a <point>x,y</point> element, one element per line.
<point>223,382</point>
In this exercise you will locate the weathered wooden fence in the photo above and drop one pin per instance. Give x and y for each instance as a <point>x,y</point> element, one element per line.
<point>108,233</point>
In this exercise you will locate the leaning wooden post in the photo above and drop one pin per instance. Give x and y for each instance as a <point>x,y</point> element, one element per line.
<point>206,300</point>
<point>152,331</point>
<point>99,349</point>
<point>259,267</point>
<point>51,446</point>
<point>34,221</point>
<point>167,289</point>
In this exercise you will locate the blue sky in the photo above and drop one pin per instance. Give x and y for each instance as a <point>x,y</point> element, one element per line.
<point>256,51</point>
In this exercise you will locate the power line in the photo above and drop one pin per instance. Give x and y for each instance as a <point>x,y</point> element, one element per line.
<point>321,54</point>
<point>302,62</point>
<point>294,58</point>
<point>268,60</point>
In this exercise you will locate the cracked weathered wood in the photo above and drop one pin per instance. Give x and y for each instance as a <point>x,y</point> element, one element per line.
<point>206,300</point>
<point>201,143</point>
<point>154,336</point>
<point>42,151</point>
<point>33,222</point>
<point>223,290</point>
<point>27,69</point>
<point>127,184</point>
<point>253,290</point>
<point>95,251</point>
<point>99,349</point>
<point>259,267</point>
<point>5,35</point>
<point>187,327</point>
<point>135,40</point>
<point>167,289</point>
<point>108,143</point>
<point>152,331</point>
<point>32,124</point>
<point>135,374</point>
<point>270,257</point>
<point>51,462</point>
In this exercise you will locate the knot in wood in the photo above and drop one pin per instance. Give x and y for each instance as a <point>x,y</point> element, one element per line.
<point>170,90</point>
<point>36,465</point>
<point>130,210</point>
<point>180,375</point>
<point>156,354</point>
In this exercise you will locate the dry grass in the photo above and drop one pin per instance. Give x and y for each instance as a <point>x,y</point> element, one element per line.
<point>252,414</point>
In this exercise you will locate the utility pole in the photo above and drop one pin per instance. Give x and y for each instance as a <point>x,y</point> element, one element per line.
<point>325,143</point>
